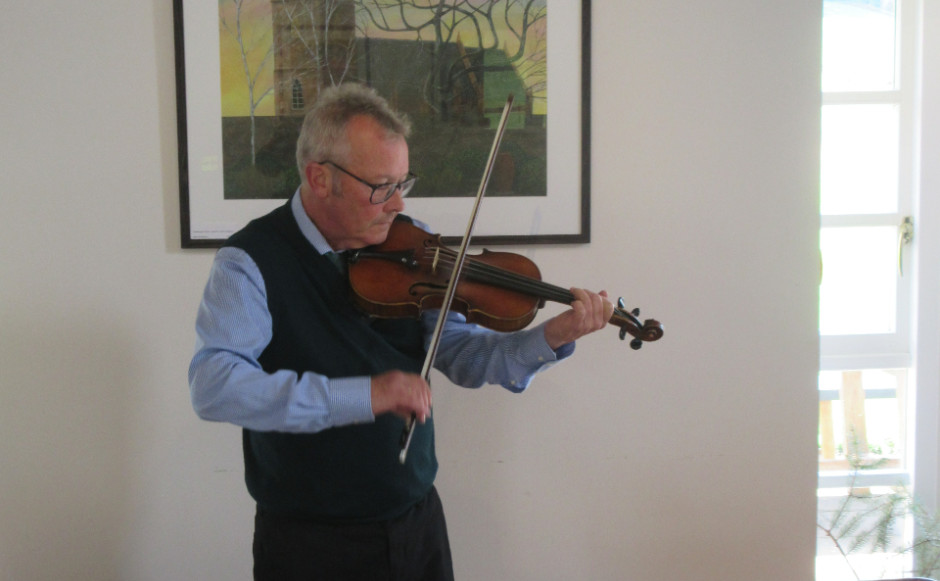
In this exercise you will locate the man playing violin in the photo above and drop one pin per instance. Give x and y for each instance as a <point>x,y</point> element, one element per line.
<point>321,390</point>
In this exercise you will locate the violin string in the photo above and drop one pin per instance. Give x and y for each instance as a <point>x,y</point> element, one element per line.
<point>508,279</point>
<point>525,284</point>
<point>492,275</point>
<point>519,282</point>
<point>483,272</point>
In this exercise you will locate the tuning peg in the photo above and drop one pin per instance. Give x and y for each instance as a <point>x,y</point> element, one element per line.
<point>636,343</point>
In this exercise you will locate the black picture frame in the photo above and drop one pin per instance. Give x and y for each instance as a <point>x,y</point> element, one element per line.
<point>207,218</point>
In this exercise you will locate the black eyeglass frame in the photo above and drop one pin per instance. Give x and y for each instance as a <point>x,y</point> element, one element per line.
<point>403,186</point>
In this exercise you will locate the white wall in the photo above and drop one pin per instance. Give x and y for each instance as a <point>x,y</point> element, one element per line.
<point>693,458</point>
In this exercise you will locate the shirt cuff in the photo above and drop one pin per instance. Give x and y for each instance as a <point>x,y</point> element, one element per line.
<point>564,351</point>
<point>542,351</point>
<point>351,400</point>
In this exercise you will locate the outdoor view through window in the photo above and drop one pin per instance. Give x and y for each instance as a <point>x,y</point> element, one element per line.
<point>864,304</point>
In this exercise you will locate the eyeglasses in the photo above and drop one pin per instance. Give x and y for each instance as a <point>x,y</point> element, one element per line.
<point>380,192</point>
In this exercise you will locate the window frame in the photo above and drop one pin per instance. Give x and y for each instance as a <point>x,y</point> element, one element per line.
<point>886,350</point>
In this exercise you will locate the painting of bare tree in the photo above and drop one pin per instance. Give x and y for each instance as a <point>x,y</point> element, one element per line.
<point>448,64</point>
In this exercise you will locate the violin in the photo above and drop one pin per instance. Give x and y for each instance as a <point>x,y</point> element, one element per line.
<point>409,273</point>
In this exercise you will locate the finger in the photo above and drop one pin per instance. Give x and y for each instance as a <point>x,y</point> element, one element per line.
<point>604,309</point>
<point>581,303</point>
<point>592,304</point>
<point>404,394</point>
<point>599,309</point>
<point>425,401</point>
<point>608,307</point>
<point>597,320</point>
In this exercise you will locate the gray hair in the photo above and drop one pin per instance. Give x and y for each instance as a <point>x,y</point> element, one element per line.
<point>323,135</point>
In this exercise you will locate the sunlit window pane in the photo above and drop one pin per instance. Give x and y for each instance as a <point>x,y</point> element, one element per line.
<point>859,159</point>
<point>858,45</point>
<point>882,431</point>
<point>861,423</point>
<point>858,289</point>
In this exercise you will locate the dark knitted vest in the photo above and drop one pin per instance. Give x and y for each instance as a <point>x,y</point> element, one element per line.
<point>348,473</point>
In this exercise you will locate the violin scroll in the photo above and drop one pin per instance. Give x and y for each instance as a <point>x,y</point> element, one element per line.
<point>629,323</point>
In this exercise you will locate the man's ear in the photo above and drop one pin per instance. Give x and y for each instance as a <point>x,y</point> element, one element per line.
<point>317,178</point>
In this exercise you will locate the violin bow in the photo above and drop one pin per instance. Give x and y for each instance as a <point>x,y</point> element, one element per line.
<point>455,274</point>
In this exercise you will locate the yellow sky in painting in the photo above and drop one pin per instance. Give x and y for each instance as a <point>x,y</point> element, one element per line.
<point>256,34</point>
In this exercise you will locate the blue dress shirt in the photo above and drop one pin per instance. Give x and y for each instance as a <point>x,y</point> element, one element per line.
<point>233,327</point>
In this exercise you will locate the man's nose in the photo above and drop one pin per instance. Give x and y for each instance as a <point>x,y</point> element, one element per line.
<point>396,203</point>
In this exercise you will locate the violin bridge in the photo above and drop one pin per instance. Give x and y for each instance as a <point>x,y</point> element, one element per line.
<point>437,256</point>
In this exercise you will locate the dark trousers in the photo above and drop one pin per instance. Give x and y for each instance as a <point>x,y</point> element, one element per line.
<point>413,547</point>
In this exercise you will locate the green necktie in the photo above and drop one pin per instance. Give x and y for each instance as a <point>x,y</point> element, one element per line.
<point>339,260</point>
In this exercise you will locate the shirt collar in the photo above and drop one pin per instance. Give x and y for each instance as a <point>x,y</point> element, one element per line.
<point>307,227</point>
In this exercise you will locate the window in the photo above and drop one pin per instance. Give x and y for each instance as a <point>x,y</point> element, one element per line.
<point>867,183</point>
<point>297,96</point>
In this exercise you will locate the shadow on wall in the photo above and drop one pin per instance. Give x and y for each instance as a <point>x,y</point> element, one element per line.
<point>65,408</point>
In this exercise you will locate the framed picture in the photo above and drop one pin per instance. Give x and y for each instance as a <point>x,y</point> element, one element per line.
<point>248,69</point>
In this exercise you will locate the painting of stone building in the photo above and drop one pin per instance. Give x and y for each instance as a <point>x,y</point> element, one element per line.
<point>451,80</point>
<point>314,45</point>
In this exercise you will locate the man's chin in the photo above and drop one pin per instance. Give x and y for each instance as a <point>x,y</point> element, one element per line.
<point>378,234</point>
